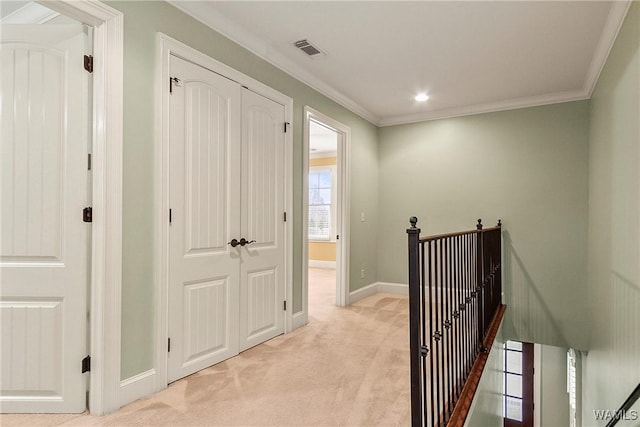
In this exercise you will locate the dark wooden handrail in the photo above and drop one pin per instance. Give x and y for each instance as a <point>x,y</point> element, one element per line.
<point>631,400</point>
<point>459,233</point>
<point>455,293</point>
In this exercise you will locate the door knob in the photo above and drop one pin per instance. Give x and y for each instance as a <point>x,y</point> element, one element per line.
<point>244,241</point>
<point>235,243</point>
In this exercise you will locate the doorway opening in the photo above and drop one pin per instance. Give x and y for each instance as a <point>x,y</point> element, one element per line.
<point>325,202</point>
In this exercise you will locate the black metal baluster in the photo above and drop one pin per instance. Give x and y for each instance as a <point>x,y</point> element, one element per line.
<point>467,308</point>
<point>423,338</point>
<point>473,315</point>
<point>450,318</point>
<point>460,327</point>
<point>431,298</point>
<point>436,337</point>
<point>445,330</point>
<point>454,315</point>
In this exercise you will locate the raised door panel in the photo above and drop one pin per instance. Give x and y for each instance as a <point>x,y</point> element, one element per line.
<point>206,139</point>
<point>32,355</point>
<point>205,202</point>
<point>206,328</point>
<point>262,268</point>
<point>33,88</point>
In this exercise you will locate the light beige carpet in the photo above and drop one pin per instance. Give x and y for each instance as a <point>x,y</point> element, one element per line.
<point>348,367</point>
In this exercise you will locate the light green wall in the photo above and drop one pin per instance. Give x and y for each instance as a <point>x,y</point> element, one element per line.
<point>554,399</point>
<point>486,408</point>
<point>612,367</point>
<point>143,20</point>
<point>526,166</point>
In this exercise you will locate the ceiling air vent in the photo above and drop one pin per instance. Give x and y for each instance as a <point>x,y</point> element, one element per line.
<point>307,47</point>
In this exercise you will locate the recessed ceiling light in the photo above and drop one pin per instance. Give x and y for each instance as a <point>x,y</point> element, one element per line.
<point>421,97</point>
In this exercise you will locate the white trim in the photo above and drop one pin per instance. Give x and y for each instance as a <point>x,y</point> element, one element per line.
<point>362,293</point>
<point>378,288</point>
<point>298,320</point>
<point>201,12</point>
<point>315,263</point>
<point>608,37</point>
<point>511,104</point>
<point>393,288</point>
<point>168,46</point>
<point>223,25</point>
<point>106,249</point>
<point>137,386</point>
<point>343,155</point>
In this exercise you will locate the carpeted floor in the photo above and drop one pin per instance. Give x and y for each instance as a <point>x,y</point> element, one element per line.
<point>348,367</point>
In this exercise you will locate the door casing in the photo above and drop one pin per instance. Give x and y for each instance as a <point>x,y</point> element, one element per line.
<point>342,226</point>
<point>168,46</point>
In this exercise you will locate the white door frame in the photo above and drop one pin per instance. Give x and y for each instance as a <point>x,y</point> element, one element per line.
<point>342,226</point>
<point>168,46</point>
<point>106,230</point>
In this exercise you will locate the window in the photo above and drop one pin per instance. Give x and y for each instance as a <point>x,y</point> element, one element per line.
<point>518,384</point>
<point>321,203</point>
<point>513,380</point>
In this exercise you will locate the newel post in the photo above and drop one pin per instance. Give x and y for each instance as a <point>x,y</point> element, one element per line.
<point>413,234</point>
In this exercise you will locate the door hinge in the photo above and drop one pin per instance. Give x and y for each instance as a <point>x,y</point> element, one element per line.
<point>168,345</point>
<point>286,125</point>
<point>284,217</point>
<point>337,237</point>
<point>284,305</point>
<point>87,214</point>
<point>89,161</point>
<point>86,364</point>
<point>172,81</point>
<point>170,216</point>
<point>88,63</point>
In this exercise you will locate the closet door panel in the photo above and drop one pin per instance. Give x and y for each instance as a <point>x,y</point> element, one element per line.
<point>262,267</point>
<point>205,210</point>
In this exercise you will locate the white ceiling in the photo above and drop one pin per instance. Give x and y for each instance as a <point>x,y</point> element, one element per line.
<point>25,12</point>
<point>468,56</point>
<point>322,140</point>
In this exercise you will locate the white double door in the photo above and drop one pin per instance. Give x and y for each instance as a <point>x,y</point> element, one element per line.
<point>226,182</point>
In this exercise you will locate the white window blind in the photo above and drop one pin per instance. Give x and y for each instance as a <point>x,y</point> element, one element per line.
<point>320,203</point>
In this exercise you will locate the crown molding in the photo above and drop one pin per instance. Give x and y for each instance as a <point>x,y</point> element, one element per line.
<point>608,37</point>
<point>210,17</point>
<point>230,29</point>
<point>512,104</point>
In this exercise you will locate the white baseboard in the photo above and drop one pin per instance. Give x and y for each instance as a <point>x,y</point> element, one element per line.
<point>298,320</point>
<point>393,288</point>
<point>378,287</point>
<point>322,264</point>
<point>362,293</point>
<point>137,387</point>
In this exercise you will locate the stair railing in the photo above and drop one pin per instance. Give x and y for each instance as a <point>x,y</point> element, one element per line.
<point>455,290</point>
